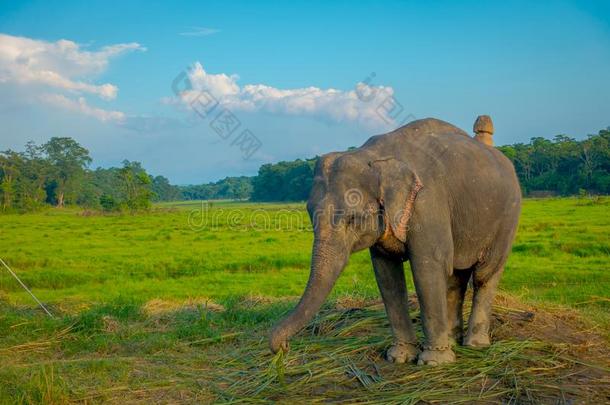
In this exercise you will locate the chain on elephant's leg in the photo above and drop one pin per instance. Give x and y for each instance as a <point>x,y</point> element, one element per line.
<point>390,277</point>
<point>430,279</point>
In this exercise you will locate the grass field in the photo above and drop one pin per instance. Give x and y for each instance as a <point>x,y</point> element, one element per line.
<point>174,306</point>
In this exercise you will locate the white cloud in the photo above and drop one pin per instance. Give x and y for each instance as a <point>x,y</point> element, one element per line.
<point>81,106</point>
<point>42,71</point>
<point>62,64</point>
<point>200,32</point>
<point>363,104</point>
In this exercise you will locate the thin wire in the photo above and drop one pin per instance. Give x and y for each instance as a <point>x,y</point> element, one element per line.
<point>26,288</point>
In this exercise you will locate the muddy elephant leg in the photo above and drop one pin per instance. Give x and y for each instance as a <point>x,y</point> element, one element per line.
<point>430,266</point>
<point>390,277</point>
<point>457,284</point>
<point>485,286</point>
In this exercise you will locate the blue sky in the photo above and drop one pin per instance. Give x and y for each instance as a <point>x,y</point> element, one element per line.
<point>102,73</point>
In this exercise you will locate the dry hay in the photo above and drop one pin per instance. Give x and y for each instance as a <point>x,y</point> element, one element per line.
<point>538,356</point>
<point>252,300</point>
<point>159,307</point>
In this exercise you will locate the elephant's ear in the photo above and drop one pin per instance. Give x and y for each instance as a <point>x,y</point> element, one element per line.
<point>398,188</point>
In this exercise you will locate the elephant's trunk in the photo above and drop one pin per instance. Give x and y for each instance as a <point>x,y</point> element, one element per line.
<point>327,262</point>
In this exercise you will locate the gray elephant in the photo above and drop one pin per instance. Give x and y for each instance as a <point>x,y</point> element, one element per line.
<point>427,193</point>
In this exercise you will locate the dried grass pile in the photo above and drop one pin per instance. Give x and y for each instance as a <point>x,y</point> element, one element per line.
<point>538,356</point>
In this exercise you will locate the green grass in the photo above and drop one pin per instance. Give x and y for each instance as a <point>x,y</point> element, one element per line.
<point>157,306</point>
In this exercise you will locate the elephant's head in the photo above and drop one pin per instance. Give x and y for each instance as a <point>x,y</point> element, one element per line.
<point>357,200</point>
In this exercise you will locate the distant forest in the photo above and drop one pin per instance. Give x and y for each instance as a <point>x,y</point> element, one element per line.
<point>57,173</point>
<point>283,181</point>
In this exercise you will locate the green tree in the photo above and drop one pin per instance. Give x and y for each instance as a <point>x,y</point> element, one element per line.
<point>563,165</point>
<point>284,181</point>
<point>163,190</point>
<point>35,170</point>
<point>9,172</point>
<point>137,186</point>
<point>236,188</point>
<point>69,161</point>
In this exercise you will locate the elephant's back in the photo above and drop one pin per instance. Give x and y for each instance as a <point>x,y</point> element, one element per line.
<point>413,130</point>
<point>436,146</point>
<point>429,126</point>
<point>463,165</point>
<point>447,158</point>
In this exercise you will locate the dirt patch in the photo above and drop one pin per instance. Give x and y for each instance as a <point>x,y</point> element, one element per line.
<point>513,319</point>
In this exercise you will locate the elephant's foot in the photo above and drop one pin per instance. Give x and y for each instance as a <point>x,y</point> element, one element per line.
<point>477,340</point>
<point>402,352</point>
<point>435,356</point>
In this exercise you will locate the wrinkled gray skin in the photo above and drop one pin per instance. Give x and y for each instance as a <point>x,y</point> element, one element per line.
<point>427,193</point>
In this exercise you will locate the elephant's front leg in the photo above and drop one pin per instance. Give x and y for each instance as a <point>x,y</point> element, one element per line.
<point>430,262</point>
<point>390,277</point>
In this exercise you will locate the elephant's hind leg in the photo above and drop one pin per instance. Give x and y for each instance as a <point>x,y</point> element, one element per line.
<point>485,286</point>
<point>390,277</point>
<point>457,284</point>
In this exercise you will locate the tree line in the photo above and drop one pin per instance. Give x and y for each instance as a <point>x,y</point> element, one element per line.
<point>57,173</point>
<point>229,188</point>
<point>283,181</point>
<point>562,166</point>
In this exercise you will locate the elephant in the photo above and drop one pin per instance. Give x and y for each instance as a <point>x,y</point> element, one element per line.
<point>426,193</point>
